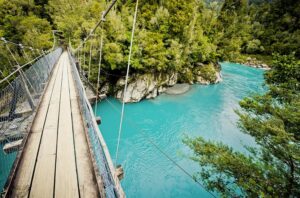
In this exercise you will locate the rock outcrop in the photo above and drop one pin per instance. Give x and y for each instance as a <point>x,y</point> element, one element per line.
<point>144,86</point>
<point>105,89</point>
<point>151,85</point>
<point>253,62</point>
<point>207,74</point>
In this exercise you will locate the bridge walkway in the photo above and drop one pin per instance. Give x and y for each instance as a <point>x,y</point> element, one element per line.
<point>56,160</point>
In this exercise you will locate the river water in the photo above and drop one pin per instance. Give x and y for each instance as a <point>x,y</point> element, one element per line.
<point>206,111</point>
<point>6,163</point>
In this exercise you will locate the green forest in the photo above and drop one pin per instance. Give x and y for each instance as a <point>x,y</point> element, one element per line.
<point>188,37</point>
<point>171,35</point>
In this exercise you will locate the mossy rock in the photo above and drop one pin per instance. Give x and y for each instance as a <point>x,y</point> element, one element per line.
<point>208,72</point>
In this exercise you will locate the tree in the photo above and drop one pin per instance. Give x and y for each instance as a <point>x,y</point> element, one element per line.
<point>234,22</point>
<point>254,46</point>
<point>20,23</point>
<point>272,169</point>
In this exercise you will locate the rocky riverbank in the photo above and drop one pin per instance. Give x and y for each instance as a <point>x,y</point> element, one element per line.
<point>253,62</point>
<point>150,85</point>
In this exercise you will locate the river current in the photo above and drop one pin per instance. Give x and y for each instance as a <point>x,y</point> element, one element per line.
<point>206,111</point>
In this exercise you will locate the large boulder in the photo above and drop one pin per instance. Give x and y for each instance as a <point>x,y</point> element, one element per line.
<point>145,86</point>
<point>150,85</point>
<point>104,89</point>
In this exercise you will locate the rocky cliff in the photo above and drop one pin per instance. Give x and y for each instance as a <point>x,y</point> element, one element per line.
<point>150,85</point>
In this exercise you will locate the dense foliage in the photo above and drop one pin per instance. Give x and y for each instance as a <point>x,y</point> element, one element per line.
<point>170,35</point>
<point>185,36</point>
<point>21,22</point>
<point>273,120</point>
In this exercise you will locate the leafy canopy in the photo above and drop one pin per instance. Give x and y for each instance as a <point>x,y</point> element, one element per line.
<point>272,169</point>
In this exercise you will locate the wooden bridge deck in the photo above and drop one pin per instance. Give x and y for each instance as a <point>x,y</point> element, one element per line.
<point>56,160</point>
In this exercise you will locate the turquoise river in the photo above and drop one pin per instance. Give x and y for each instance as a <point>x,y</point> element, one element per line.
<point>206,111</point>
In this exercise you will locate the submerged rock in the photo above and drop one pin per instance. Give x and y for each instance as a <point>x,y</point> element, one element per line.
<point>178,89</point>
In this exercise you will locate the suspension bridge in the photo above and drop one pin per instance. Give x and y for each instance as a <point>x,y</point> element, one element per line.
<point>49,129</point>
<point>64,153</point>
<point>46,116</point>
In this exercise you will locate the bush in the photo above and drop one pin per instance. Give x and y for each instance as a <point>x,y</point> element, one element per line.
<point>208,72</point>
<point>254,46</point>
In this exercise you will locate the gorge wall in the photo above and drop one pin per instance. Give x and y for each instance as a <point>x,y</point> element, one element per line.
<point>150,85</point>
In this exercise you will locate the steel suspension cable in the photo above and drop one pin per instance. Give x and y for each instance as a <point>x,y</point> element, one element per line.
<point>28,59</point>
<point>104,14</point>
<point>16,44</point>
<point>99,67</point>
<point>47,61</point>
<point>19,67</point>
<point>126,79</point>
<point>83,50</point>
<point>23,78</point>
<point>90,60</point>
<point>151,141</point>
<point>6,79</point>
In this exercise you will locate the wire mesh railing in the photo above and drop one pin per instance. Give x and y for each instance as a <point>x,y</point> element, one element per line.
<point>105,168</point>
<point>18,100</point>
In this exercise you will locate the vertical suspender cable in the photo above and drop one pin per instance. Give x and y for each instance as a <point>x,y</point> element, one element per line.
<point>126,80</point>
<point>28,59</point>
<point>83,52</point>
<point>90,60</point>
<point>6,79</point>
<point>99,67</point>
<point>23,78</point>
<point>20,71</point>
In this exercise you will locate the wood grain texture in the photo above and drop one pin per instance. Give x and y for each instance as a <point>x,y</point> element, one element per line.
<point>56,158</point>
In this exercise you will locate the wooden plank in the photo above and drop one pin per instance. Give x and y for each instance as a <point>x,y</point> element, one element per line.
<point>86,176</point>
<point>56,141</point>
<point>43,177</point>
<point>66,175</point>
<point>106,151</point>
<point>24,174</point>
